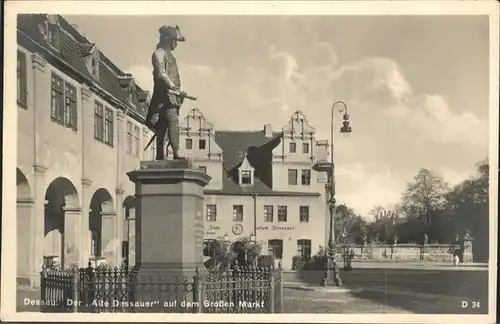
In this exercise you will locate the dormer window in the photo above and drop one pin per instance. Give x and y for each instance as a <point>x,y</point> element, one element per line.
<point>93,66</point>
<point>246,173</point>
<point>127,83</point>
<point>93,62</point>
<point>48,25</point>
<point>53,35</point>
<point>90,53</point>
<point>246,177</point>
<point>131,90</point>
<point>142,98</point>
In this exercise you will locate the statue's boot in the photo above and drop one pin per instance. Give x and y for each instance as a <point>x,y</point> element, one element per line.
<point>173,133</point>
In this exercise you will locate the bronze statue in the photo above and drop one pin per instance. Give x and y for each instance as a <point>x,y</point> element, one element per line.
<point>167,98</point>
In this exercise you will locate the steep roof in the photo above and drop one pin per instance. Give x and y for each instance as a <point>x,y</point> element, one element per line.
<point>68,58</point>
<point>258,150</point>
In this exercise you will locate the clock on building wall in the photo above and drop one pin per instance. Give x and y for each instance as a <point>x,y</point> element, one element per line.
<point>237,229</point>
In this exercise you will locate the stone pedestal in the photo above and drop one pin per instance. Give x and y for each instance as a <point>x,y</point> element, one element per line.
<point>169,230</point>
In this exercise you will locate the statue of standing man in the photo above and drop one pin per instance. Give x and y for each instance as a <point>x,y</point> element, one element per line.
<point>163,111</point>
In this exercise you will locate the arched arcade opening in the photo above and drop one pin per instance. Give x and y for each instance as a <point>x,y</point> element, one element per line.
<point>128,243</point>
<point>61,196</point>
<point>101,223</point>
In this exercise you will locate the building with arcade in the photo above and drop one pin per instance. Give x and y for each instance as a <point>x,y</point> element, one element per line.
<point>81,129</point>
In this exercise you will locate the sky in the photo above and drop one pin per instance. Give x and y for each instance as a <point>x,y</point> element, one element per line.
<point>416,87</point>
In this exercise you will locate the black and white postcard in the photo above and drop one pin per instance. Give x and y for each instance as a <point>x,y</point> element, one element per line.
<point>269,161</point>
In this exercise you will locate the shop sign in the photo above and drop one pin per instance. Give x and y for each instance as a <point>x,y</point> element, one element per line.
<point>276,228</point>
<point>212,229</point>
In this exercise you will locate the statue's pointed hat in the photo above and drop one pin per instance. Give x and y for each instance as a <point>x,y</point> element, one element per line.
<point>171,32</point>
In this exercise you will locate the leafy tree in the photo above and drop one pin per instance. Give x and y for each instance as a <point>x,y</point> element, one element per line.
<point>253,250</point>
<point>349,226</point>
<point>428,206</point>
<point>425,199</point>
<point>224,253</point>
<point>468,209</point>
<point>383,225</point>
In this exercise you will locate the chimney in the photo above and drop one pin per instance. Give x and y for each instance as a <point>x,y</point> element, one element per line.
<point>268,130</point>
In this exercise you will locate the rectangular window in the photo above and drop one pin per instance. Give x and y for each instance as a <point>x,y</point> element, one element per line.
<point>22,90</point>
<point>268,213</point>
<point>108,127</point>
<point>57,103</point>
<point>63,103</point>
<point>202,144</point>
<point>293,147</point>
<point>129,137</point>
<point>246,177</point>
<point>306,177</point>
<point>292,177</point>
<point>98,121</point>
<point>70,109</point>
<point>304,213</point>
<point>203,169</point>
<point>189,144</point>
<point>305,147</point>
<point>282,213</point>
<point>304,248</point>
<point>275,248</point>
<point>211,213</point>
<point>137,143</point>
<point>237,213</point>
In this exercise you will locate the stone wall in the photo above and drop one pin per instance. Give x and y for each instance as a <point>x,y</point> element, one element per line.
<point>409,252</point>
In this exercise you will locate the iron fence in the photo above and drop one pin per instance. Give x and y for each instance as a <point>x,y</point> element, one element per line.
<point>240,289</point>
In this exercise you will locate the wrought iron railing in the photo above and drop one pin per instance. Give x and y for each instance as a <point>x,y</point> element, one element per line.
<point>240,289</point>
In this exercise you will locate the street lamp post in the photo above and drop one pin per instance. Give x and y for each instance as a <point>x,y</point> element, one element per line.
<point>253,240</point>
<point>226,244</point>
<point>331,276</point>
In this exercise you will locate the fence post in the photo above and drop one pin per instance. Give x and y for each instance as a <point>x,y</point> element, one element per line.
<point>197,292</point>
<point>272,298</point>
<point>76,289</point>
<point>280,310</point>
<point>254,270</point>
<point>43,293</point>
